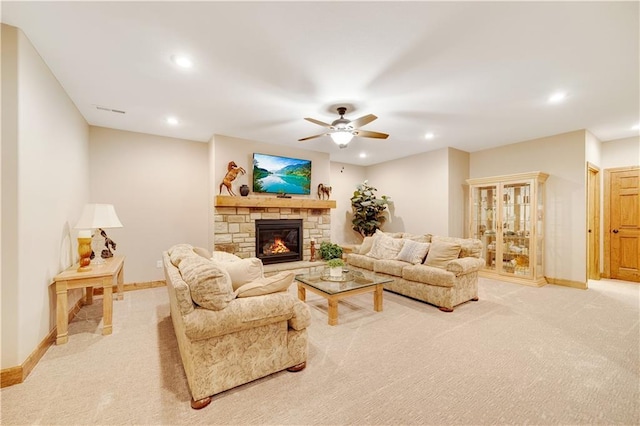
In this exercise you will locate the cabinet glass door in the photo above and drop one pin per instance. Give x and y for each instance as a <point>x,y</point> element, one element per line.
<point>506,213</point>
<point>484,221</point>
<point>516,228</point>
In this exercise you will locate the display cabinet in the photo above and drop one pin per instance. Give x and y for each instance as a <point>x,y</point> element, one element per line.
<point>507,215</point>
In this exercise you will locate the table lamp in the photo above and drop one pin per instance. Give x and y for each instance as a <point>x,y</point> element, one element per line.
<point>95,217</point>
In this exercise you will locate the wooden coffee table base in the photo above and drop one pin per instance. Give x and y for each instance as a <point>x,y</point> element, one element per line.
<point>334,298</point>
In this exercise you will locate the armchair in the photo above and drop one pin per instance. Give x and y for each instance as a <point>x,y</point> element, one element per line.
<point>228,337</point>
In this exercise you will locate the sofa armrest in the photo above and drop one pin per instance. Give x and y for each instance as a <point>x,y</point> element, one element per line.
<point>241,314</point>
<point>465,265</point>
<point>301,318</point>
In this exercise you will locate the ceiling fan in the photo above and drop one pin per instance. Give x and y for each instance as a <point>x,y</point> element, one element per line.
<point>343,130</point>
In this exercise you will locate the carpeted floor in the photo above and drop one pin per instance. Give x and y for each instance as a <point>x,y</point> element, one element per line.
<point>520,355</point>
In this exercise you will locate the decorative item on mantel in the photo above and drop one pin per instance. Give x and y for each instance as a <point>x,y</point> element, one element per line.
<point>232,173</point>
<point>95,216</point>
<point>244,190</point>
<point>313,250</point>
<point>324,190</point>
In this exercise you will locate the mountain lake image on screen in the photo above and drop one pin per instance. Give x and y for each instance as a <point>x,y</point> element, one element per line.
<point>281,175</point>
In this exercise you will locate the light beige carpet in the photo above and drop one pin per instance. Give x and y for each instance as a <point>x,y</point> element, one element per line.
<point>520,355</point>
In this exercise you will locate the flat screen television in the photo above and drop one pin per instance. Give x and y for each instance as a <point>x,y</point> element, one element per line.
<point>281,175</point>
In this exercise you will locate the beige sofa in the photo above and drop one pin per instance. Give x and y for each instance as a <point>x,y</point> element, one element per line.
<point>229,335</point>
<point>442,271</point>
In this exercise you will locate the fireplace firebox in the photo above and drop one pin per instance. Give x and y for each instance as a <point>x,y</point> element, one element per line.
<point>278,240</point>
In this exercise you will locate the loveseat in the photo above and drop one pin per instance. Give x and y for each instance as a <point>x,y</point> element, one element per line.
<point>232,327</point>
<point>442,271</point>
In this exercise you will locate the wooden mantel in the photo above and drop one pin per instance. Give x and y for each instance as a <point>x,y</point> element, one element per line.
<point>294,203</point>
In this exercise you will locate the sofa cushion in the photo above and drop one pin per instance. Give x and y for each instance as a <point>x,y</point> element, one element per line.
<point>267,285</point>
<point>223,256</point>
<point>413,252</point>
<point>361,261</point>
<point>441,253</point>
<point>242,271</point>
<point>366,245</point>
<point>426,238</point>
<point>209,284</point>
<point>389,266</point>
<point>469,247</point>
<point>380,232</point>
<point>428,275</point>
<point>385,247</point>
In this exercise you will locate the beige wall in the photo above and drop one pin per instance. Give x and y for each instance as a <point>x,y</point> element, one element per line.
<point>563,158</point>
<point>45,181</point>
<point>160,189</point>
<point>593,149</point>
<point>344,180</point>
<point>241,151</point>
<point>458,192</point>
<point>621,153</point>
<point>419,188</point>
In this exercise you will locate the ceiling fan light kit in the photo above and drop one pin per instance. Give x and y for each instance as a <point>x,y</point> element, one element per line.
<point>342,137</point>
<point>343,130</point>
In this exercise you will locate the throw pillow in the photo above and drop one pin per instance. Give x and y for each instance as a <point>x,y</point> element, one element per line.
<point>274,284</point>
<point>413,252</point>
<point>366,245</point>
<point>209,284</point>
<point>179,252</point>
<point>385,247</point>
<point>202,252</point>
<point>441,253</point>
<point>242,271</point>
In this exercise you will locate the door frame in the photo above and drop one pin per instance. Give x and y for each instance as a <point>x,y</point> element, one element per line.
<point>593,210</point>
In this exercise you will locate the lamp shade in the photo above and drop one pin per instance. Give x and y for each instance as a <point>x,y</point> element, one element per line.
<point>98,216</point>
<point>342,137</point>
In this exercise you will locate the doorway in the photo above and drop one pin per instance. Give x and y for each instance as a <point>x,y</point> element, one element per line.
<point>622,223</point>
<point>593,222</point>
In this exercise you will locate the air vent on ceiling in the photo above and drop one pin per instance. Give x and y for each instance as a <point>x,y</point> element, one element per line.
<point>102,108</point>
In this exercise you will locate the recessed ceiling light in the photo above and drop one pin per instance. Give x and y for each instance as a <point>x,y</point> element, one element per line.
<point>557,97</point>
<point>363,155</point>
<point>636,127</point>
<point>182,61</point>
<point>429,136</point>
<point>172,120</point>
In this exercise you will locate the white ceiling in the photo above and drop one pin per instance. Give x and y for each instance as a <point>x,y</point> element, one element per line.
<point>475,74</point>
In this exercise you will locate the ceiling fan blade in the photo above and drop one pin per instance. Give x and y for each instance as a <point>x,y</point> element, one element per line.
<point>311,137</point>
<point>318,122</point>
<point>363,120</point>
<point>369,134</point>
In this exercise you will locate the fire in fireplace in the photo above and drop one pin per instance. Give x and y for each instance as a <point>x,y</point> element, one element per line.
<point>279,240</point>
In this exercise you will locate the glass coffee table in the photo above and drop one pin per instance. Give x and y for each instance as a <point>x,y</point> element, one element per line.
<point>335,288</point>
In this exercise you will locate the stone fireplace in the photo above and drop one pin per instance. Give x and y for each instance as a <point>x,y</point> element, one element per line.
<point>235,223</point>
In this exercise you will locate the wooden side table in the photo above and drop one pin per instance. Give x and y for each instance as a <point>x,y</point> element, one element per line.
<point>106,276</point>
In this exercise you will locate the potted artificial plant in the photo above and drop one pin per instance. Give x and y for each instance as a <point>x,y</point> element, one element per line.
<point>368,210</point>
<point>335,267</point>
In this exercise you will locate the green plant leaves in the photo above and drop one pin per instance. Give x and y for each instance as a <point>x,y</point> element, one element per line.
<point>330,251</point>
<point>368,211</point>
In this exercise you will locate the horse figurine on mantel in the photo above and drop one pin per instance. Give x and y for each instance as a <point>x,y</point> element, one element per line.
<point>324,190</point>
<point>232,173</point>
